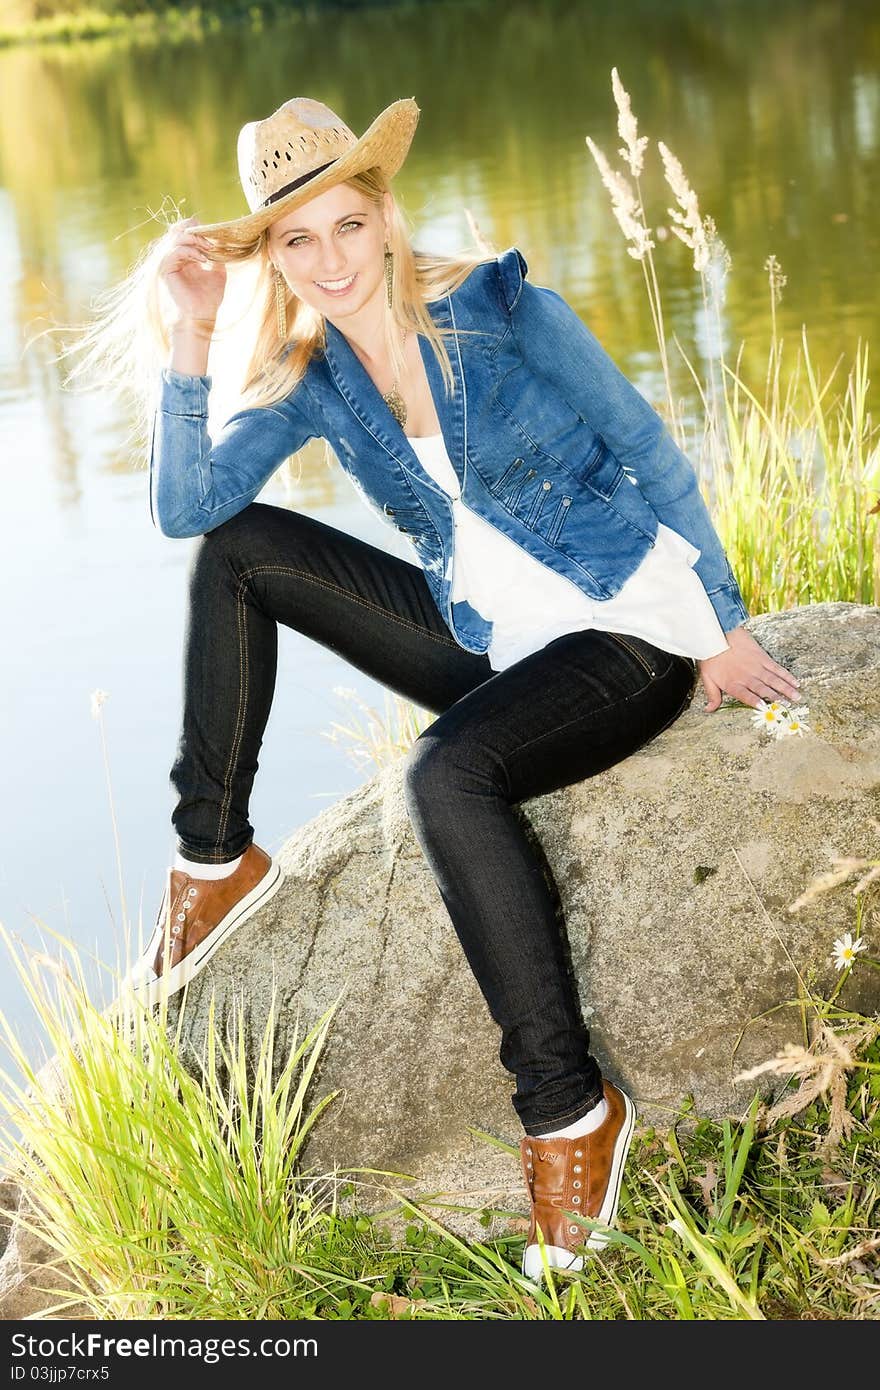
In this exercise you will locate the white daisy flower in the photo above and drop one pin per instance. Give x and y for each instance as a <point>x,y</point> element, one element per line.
<point>792,726</point>
<point>792,722</point>
<point>846,950</point>
<point>767,716</point>
<point>782,721</point>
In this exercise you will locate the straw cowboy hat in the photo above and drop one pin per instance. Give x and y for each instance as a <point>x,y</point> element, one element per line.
<point>304,148</point>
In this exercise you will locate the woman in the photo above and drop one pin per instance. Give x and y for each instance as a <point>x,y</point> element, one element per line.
<point>569,586</point>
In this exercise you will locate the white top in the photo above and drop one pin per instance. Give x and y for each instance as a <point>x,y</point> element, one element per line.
<point>529,605</point>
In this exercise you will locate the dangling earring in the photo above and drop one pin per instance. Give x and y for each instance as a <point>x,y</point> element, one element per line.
<point>389,272</point>
<point>280,304</point>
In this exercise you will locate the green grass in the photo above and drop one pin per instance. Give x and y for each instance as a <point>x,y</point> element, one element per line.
<point>173,1187</point>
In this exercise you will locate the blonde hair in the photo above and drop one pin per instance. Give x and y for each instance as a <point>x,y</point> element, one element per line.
<point>126,343</point>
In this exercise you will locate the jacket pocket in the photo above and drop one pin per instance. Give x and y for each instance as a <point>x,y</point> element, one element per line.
<point>602,473</point>
<point>629,643</point>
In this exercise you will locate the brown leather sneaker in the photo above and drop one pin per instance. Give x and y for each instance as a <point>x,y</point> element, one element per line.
<point>575,1175</point>
<point>197,915</point>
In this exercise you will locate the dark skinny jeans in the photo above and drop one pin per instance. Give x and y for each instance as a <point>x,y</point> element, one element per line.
<point>562,714</point>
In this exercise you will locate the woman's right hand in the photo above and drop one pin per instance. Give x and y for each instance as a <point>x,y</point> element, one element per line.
<point>195,282</point>
<point>747,673</point>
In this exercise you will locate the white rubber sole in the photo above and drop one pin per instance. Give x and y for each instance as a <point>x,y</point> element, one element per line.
<point>557,1256</point>
<point>150,988</point>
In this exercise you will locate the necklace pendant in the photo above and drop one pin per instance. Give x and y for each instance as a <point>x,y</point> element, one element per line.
<point>396,404</point>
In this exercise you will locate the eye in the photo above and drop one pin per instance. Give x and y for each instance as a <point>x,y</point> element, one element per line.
<point>297,239</point>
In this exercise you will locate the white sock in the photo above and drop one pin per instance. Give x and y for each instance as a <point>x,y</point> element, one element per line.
<point>196,870</point>
<point>585,1125</point>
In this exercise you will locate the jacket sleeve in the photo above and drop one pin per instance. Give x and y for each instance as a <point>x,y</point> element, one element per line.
<point>556,344</point>
<point>196,484</point>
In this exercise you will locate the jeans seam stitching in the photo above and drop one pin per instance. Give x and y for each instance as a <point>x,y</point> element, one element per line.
<point>549,733</point>
<point>241,616</point>
<point>213,856</point>
<point>638,656</point>
<point>356,598</point>
<point>242,663</point>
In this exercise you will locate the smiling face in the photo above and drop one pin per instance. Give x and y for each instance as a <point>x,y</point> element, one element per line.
<point>334,237</point>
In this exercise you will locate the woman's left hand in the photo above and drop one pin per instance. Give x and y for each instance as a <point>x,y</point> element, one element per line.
<point>746,672</point>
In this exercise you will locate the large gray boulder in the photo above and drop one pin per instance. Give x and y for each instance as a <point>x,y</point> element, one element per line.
<point>32,1280</point>
<point>674,871</point>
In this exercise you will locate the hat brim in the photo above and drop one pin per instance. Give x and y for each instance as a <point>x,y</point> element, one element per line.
<point>385,143</point>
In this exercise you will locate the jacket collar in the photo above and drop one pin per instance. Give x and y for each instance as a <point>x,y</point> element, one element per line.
<point>363,397</point>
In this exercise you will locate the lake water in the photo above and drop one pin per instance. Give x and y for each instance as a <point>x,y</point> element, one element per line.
<point>774,112</point>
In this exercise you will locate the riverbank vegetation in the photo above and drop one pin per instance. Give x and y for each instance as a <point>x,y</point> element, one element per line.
<point>151,21</point>
<point>789,460</point>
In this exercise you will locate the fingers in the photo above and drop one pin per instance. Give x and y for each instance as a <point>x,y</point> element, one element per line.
<point>749,691</point>
<point>782,681</point>
<point>754,692</point>
<point>186,234</point>
<point>755,681</point>
<point>198,255</point>
<point>183,261</point>
<point>187,247</point>
<point>197,243</point>
<point>772,682</point>
<point>764,677</point>
<point>713,692</point>
<point>750,697</point>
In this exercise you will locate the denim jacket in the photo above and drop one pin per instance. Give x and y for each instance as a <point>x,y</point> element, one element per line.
<point>550,442</point>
